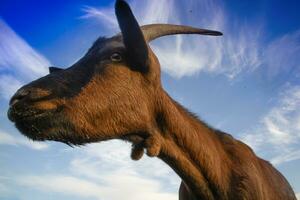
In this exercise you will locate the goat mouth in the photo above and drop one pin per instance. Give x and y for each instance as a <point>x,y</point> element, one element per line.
<point>16,116</point>
<point>41,125</point>
<point>32,123</point>
<point>21,112</point>
<point>47,125</point>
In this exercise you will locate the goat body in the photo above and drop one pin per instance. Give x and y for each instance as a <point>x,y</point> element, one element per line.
<point>115,92</point>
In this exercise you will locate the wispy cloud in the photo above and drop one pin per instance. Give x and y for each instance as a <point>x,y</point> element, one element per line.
<point>8,139</point>
<point>278,134</point>
<point>241,50</point>
<point>286,156</point>
<point>114,187</point>
<point>8,85</point>
<point>62,184</point>
<point>237,51</point>
<point>105,171</point>
<point>105,15</point>
<point>113,157</point>
<point>19,62</point>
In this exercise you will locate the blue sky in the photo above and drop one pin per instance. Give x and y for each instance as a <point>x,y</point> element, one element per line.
<point>246,83</point>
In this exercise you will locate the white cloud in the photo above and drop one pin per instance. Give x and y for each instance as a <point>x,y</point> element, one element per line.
<point>278,134</point>
<point>241,49</point>
<point>286,156</point>
<point>19,62</point>
<point>114,187</point>
<point>105,171</point>
<point>8,139</point>
<point>114,156</point>
<point>298,196</point>
<point>61,184</point>
<point>106,15</point>
<point>8,86</point>
<point>236,51</point>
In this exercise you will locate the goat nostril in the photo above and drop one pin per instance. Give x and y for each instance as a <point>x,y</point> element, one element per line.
<point>20,94</point>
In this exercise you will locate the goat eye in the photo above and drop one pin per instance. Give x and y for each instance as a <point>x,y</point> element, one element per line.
<point>116,57</point>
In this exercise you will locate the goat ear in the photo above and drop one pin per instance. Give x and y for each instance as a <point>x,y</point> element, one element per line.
<point>54,69</point>
<point>137,49</point>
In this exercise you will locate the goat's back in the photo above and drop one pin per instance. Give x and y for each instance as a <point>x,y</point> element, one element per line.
<point>252,177</point>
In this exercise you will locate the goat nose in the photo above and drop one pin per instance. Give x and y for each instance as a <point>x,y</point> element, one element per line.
<point>18,96</point>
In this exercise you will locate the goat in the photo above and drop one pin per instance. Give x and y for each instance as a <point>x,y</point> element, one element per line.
<point>115,92</point>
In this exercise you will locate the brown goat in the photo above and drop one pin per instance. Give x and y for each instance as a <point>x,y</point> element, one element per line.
<point>115,92</point>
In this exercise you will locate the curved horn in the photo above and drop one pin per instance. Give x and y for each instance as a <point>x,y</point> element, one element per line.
<point>153,31</point>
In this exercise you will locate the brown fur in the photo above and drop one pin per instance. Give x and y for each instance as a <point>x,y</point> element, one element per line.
<point>99,99</point>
